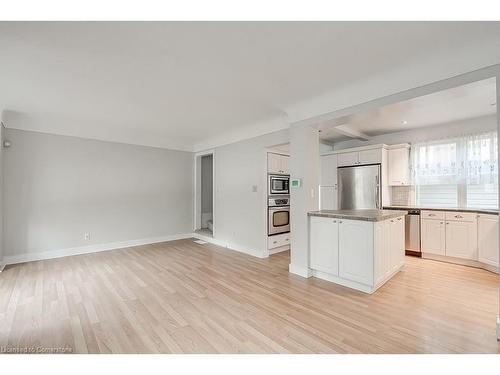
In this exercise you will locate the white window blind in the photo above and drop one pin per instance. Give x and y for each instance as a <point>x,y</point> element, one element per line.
<point>458,172</point>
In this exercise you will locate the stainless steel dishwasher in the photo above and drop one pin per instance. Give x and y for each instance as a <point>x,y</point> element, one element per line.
<point>412,233</point>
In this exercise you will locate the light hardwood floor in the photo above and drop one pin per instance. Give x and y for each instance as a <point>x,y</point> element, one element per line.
<point>181,297</point>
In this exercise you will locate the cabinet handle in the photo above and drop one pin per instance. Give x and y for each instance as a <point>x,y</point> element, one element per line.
<point>459,216</point>
<point>334,221</point>
<point>399,218</point>
<point>340,222</point>
<point>441,222</point>
<point>392,221</point>
<point>432,214</point>
<point>447,223</point>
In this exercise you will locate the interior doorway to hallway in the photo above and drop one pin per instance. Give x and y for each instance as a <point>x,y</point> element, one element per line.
<point>204,206</point>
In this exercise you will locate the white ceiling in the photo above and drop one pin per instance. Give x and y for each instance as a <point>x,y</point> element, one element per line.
<point>175,84</point>
<point>459,103</point>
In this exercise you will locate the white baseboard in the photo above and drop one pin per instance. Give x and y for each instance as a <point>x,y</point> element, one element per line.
<point>344,282</point>
<point>232,246</point>
<point>300,271</point>
<point>51,254</point>
<point>463,262</point>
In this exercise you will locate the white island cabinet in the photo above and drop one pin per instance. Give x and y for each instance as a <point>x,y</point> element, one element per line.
<point>360,249</point>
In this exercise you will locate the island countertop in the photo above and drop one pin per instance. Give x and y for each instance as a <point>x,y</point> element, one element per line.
<point>364,215</point>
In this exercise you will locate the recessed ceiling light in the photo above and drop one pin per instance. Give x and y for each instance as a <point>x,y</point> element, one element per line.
<point>405,122</point>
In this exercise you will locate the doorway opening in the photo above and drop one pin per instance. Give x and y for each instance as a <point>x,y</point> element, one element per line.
<point>204,210</point>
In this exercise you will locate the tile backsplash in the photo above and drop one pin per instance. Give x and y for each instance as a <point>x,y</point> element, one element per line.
<point>402,196</point>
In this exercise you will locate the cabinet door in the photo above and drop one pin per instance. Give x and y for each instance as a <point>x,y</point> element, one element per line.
<point>273,163</point>
<point>324,245</point>
<point>370,156</point>
<point>461,239</point>
<point>328,170</point>
<point>398,243</point>
<point>487,239</point>
<point>382,250</point>
<point>356,251</point>
<point>399,168</point>
<point>285,164</point>
<point>328,198</point>
<point>348,158</point>
<point>432,236</point>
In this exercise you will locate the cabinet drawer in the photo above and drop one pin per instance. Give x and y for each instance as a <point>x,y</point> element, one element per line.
<point>437,215</point>
<point>278,240</point>
<point>461,216</point>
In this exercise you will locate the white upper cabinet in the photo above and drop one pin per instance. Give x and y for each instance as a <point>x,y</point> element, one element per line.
<point>324,245</point>
<point>328,182</point>
<point>278,164</point>
<point>328,170</point>
<point>285,164</point>
<point>487,239</point>
<point>399,166</point>
<point>373,156</point>
<point>433,237</point>
<point>348,158</point>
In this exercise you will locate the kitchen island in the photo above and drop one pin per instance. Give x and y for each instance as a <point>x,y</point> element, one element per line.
<point>359,249</point>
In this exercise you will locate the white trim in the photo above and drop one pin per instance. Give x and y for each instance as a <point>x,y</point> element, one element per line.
<point>243,133</point>
<point>2,266</point>
<point>344,282</point>
<point>353,149</point>
<point>232,246</point>
<point>460,261</point>
<point>280,249</point>
<point>51,254</point>
<point>300,271</point>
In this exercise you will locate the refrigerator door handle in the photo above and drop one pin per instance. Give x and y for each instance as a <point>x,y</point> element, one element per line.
<point>376,192</point>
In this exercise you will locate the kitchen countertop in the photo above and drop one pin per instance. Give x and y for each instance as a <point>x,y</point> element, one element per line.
<point>364,215</point>
<point>474,210</point>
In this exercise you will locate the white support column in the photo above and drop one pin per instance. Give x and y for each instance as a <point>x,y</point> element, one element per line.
<point>304,164</point>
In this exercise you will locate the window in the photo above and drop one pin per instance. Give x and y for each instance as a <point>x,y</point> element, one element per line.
<point>459,172</point>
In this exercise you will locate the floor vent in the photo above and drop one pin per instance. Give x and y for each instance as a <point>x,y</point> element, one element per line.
<point>200,242</point>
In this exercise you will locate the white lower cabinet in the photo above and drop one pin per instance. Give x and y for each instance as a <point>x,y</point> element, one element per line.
<point>396,243</point>
<point>433,236</point>
<point>355,253</point>
<point>487,239</point>
<point>324,245</point>
<point>461,239</point>
<point>356,250</point>
<point>465,235</point>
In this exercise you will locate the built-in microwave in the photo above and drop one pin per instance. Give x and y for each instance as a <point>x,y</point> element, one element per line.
<point>279,184</point>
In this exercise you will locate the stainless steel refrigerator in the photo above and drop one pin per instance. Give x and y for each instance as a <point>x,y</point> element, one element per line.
<point>359,187</point>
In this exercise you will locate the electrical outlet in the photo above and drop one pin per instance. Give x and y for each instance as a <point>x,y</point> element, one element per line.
<point>254,188</point>
<point>86,236</point>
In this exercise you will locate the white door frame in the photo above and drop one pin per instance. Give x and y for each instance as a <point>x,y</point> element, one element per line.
<point>197,190</point>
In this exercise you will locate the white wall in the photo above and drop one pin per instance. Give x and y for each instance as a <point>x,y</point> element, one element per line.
<point>476,125</point>
<point>240,214</point>
<point>2,133</point>
<point>56,188</point>
<point>304,164</point>
<point>206,189</point>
